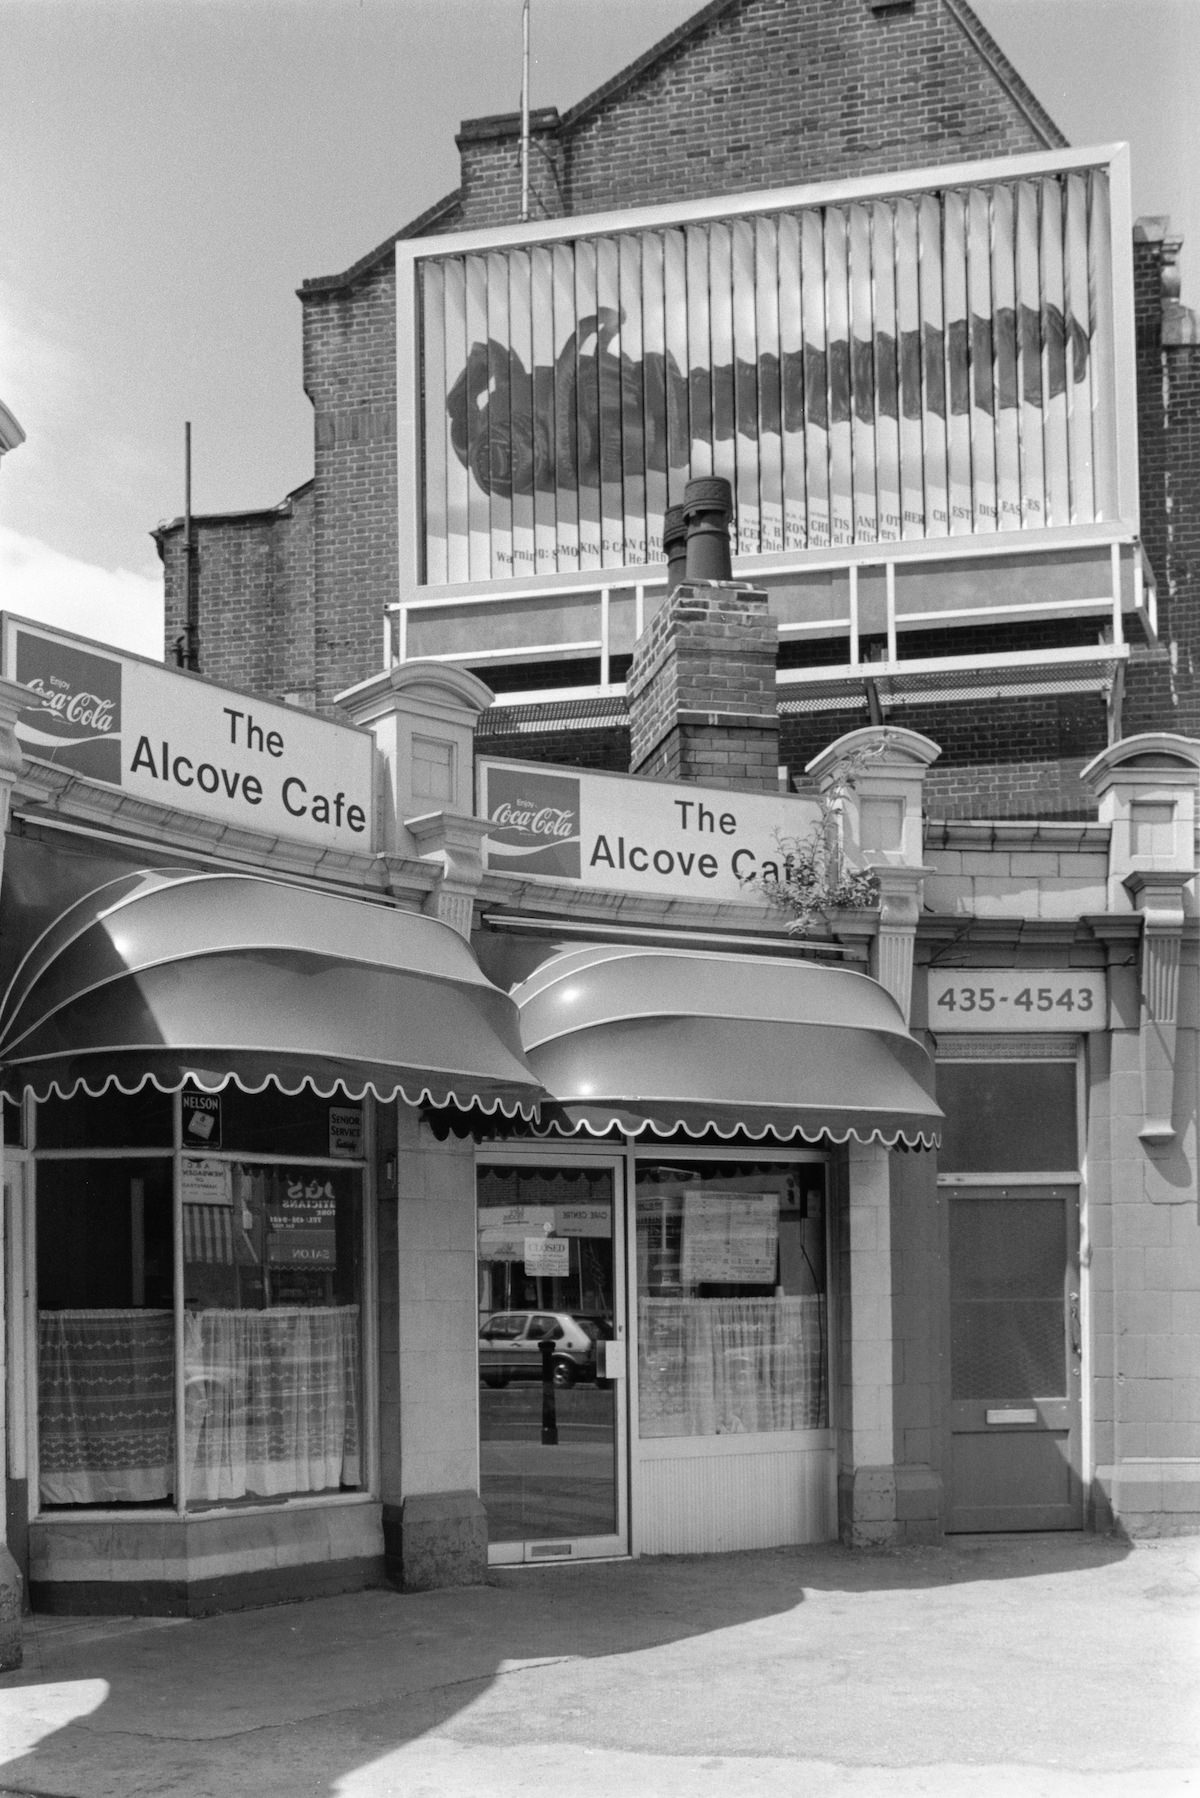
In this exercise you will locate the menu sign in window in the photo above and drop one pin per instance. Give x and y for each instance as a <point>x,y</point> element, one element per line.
<point>731,1238</point>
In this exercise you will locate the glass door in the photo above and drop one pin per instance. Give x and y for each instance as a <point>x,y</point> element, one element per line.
<point>552,1406</point>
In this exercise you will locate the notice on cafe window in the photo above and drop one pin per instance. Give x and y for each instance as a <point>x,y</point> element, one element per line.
<point>548,1256</point>
<point>205,1182</point>
<point>731,1238</point>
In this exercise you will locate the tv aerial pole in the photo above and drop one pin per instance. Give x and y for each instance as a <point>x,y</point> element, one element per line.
<point>524,110</point>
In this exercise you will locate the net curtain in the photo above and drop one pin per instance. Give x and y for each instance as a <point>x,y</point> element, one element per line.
<point>271,1404</point>
<point>729,1366</point>
<point>271,1401</point>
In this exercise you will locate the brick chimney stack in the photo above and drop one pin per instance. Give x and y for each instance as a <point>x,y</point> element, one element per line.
<point>702,684</point>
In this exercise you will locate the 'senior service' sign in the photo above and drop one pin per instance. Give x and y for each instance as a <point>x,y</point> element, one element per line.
<point>631,835</point>
<point>177,739</point>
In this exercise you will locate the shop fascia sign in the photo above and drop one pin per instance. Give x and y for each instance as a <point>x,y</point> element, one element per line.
<point>161,734</point>
<point>624,834</point>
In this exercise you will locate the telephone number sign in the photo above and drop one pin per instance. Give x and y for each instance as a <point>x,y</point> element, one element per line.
<point>1016,999</point>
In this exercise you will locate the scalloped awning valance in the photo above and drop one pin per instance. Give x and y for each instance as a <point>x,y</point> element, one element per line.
<point>663,1040</point>
<point>177,976</point>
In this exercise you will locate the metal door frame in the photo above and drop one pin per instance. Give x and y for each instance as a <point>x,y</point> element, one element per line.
<point>577,1548</point>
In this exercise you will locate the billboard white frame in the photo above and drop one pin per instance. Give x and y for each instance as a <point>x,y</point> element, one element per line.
<point>1116,413</point>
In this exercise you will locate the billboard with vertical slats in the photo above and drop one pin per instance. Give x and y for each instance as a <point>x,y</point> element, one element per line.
<point>865,369</point>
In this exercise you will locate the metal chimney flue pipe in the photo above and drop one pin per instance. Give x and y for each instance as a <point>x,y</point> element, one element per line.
<point>675,546</point>
<point>707,512</point>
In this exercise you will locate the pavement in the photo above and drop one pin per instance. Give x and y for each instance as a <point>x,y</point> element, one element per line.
<point>1045,1666</point>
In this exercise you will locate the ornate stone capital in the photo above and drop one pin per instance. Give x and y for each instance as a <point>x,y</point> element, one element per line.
<point>456,842</point>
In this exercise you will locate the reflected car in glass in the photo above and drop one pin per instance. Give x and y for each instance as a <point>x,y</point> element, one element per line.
<point>510,1346</point>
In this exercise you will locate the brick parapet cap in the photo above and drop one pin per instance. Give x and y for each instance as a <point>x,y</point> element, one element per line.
<point>506,124</point>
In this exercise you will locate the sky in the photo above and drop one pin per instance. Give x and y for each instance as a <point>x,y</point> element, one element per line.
<point>173,169</point>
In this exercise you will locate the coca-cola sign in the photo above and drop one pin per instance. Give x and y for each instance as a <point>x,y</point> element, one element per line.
<point>180,741</point>
<point>623,833</point>
<point>75,715</point>
<point>533,818</point>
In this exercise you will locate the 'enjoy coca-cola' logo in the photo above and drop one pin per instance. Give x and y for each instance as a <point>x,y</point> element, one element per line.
<point>533,818</point>
<point>75,715</point>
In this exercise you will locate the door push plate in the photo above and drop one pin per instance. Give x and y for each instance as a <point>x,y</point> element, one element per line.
<point>1013,1415</point>
<point>610,1360</point>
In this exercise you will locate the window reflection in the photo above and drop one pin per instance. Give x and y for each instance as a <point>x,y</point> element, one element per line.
<point>731,1298</point>
<point>271,1329</point>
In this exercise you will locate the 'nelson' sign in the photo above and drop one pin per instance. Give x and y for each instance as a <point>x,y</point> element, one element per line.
<point>177,739</point>
<point>632,835</point>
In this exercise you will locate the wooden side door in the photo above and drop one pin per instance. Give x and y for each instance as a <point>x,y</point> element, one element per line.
<point>1015,1357</point>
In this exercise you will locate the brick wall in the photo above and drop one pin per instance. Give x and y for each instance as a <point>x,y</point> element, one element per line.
<point>1163,693</point>
<point>820,88</point>
<point>254,581</point>
<point>350,377</point>
<point>748,94</point>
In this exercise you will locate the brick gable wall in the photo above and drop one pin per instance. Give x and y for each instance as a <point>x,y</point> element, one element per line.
<point>873,93</point>
<point>750,94</point>
<point>254,580</point>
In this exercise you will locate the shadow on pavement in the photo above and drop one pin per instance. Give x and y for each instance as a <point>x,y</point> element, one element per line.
<point>293,1699</point>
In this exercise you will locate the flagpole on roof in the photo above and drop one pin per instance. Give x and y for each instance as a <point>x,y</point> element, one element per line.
<point>524,110</point>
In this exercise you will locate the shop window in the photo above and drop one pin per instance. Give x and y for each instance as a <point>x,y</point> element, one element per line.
<point>732,1321</point>
<point>268,1314</point>
<point>116,1120</point>
<point>106,1334</point>
<point>272,1350</point>
<point>13,1121</point>
<point>271,1123</point>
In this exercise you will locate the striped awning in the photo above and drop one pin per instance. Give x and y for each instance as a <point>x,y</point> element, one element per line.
<point>175,976</point>
<point>667,1040</point>
<point>208,1234</point>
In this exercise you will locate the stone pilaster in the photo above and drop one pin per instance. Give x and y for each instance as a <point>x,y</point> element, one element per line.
<point>1159,899</point>
<point>423,717</point>
<point>873,779</point>
<point>867,1445</point>
<point>1147,792</point>
<point>435,1531</point>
